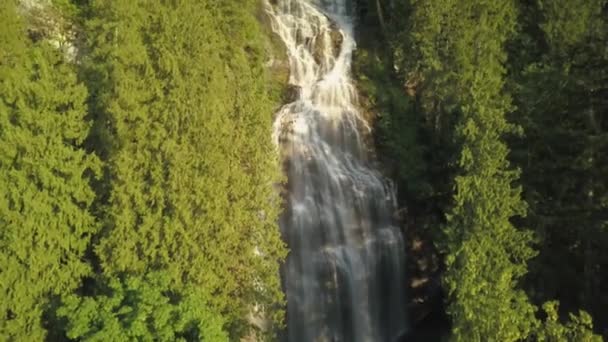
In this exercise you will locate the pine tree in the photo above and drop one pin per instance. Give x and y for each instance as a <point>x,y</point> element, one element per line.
<point>141,309</point>
<point>559,73</point>
<point>578,328</point>
<point>45,223</point>
<point>454,53</point>
<point>486,254</point>
<point>183,118</point>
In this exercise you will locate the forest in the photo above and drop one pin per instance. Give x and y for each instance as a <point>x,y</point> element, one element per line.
<point>140,187</point>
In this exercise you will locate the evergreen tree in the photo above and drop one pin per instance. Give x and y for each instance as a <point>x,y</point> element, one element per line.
<point>485,253</point>
<point>45,223</point>
<point>141,309</point>
<point>558,72</point>
<point>183,118</point>
<point>453,54</point>
<point>578,328</point>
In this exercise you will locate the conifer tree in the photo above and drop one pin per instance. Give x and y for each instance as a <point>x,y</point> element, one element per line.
<point>141,308</point>
<point>45,223</point>
<point>578,328</point>
<point>486,254</point>
<point>558,75</point>
<point>183,118</point>
<point>456,53</point>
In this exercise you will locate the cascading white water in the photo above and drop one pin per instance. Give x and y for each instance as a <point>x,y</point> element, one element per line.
<point>345,275</point>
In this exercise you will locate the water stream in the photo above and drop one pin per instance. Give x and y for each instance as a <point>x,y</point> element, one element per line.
<point>344,277</point>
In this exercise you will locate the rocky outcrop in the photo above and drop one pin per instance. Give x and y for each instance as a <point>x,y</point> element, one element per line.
<point>428,320</point>
<point>336,40</point>
<point>45,22</point>
<point>292,93</point>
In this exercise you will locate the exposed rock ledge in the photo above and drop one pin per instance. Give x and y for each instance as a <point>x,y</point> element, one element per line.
<point>45,22</point>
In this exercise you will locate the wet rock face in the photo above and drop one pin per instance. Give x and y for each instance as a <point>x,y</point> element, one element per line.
<point>318,49</point>
<point>335,41</point>
<point>292,93</point>
<point>45,22</point>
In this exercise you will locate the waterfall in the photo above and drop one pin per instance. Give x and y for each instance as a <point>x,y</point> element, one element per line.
<point>344,277</point>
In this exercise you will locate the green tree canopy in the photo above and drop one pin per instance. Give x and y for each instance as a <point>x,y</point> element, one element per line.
<point>454,55</point>
<point>183,117</point>
<point>141,309</point>
<point>45,223</point>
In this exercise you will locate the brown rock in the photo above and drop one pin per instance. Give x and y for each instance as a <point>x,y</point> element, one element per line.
<point>291,94</point>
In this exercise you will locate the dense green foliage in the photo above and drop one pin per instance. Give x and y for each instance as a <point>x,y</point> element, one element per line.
<point>559,78</point>
<point>510,102</point>
<point>170,234</point>
<point>45,223</point>
<point>191,167</point>
<point>142,308</point>
<point>137,177</point>
<point>485,254</point>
